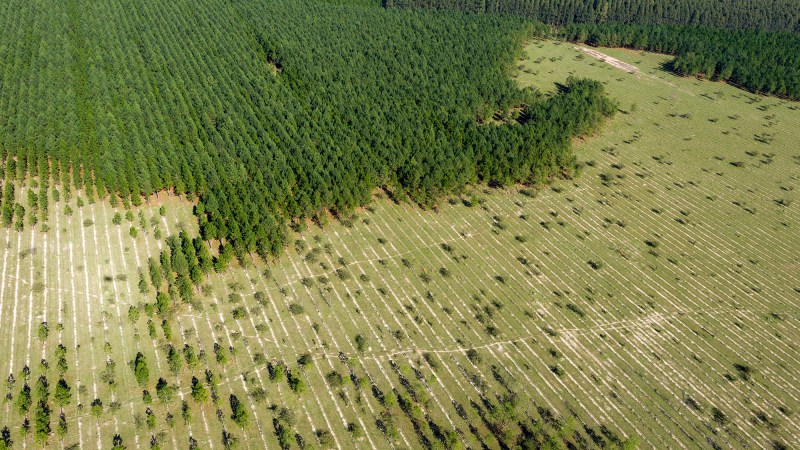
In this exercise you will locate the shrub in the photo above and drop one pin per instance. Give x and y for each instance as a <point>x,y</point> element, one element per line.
<point>43,331</point>
<point>356,430</point>
<point>221,354</point>
<point>150,419</point>
<point>305,360</point>
<point>261,298</point>
<point>325,438</point>
<point>192,360</point>
<point>62,427</point>
<point>718,416</point>
<point>62,393</point>
<point>296,383</point>
<point>430,358</point>
<point>576,309</point>
<point>361,342</point>
<point>259,359</point>
<point>238,412</point>
<point>140,369</point>
<point>473,356</point>
<point>744,371</point>
<point>199,392</point>
<point>259,394</point>
<point>97,407</point>
<point>174,360</point>
<point>186,412</point>
<point>239,313</point>
<point>164,391</point>
<point>277,372</point>
<point>343,274</point>
<point>335,380</point>
<point>42,423</point>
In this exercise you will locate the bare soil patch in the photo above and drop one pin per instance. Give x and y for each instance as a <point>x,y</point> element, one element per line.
<point>610,60</point>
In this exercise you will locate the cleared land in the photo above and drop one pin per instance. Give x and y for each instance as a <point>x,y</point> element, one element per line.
<point>607,59</point>
<point>655,296</point>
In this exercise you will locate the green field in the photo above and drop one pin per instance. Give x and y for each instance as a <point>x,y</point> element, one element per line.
<point>652,299</point>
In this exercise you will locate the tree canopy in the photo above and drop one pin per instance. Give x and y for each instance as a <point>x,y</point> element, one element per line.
<point>269,111</point>
<point>762,62</point>
<point>770,15</point>
<point>752,44</point>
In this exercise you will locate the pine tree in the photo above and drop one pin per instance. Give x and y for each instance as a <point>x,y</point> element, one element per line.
<point>238,412</point>
<point>42,430</point>
<point>62,393</point>
<point>140,369</point>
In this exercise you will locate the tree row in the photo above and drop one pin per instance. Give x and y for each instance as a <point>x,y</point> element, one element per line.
<point>269,112</point>
<point>771,15</point>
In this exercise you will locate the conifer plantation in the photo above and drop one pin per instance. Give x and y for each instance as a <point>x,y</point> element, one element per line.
<point>270,111</point>
<point>769,15</point>
<point>399,224</point>
<point>752,44</point>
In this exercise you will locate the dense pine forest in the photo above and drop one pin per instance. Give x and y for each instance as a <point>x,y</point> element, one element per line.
<point>272,111</point>
<point>269,122</point>
<point>772,15</point>
<point>762,62</point>
<point>752,44</point>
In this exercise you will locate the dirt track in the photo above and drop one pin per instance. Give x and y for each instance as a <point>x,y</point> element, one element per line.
<point>608,59</point>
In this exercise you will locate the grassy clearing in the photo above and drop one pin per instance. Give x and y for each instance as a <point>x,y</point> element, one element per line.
<point>655,296</point>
